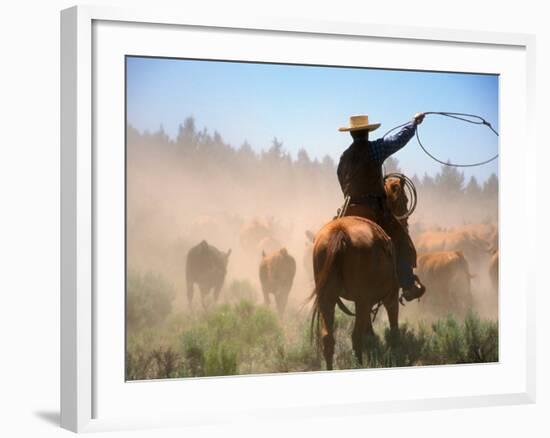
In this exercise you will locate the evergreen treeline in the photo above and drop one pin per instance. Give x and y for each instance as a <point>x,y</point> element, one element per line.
<point>202,153</point>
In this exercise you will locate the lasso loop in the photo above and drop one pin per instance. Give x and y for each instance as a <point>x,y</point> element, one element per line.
<point>468,118</point>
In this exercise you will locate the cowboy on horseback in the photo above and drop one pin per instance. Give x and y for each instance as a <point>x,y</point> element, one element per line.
<point>362,181</point>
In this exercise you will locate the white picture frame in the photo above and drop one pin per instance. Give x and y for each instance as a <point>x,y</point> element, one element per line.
<point>84,174</point>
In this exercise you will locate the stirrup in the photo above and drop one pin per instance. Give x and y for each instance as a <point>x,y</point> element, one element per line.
<point>414,292</point>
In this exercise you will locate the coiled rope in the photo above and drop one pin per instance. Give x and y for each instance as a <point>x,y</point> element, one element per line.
<point>468,118</point>
<point>411,196</point>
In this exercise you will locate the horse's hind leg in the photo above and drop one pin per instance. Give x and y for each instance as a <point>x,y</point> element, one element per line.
<point>392,308</point>
<point>391,304</point>
<point>326,309</point>
<point>362,322</point>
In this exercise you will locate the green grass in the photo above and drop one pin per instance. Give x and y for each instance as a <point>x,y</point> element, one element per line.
<point>230,339</point>
<point>241,337</point>
<point>148,300</point>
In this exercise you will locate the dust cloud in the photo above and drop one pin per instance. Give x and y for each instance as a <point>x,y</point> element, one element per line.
<point>196,187</point>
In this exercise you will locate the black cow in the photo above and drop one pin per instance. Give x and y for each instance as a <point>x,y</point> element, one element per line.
<point>206,266</point>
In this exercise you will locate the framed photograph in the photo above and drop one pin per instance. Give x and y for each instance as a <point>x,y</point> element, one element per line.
<point>261,208</point>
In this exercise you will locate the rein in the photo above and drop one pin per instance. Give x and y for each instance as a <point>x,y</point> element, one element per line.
<point>374,310</point>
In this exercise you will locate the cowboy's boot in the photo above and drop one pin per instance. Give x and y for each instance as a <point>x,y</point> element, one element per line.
<point>415,291</point>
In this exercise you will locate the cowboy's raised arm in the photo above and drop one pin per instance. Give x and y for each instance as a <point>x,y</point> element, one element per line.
<point>391,144</point>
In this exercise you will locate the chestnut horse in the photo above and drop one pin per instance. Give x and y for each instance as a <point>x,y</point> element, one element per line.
<point>353,259</point>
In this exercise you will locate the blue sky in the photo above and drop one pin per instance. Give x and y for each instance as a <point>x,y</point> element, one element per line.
<point>303,106</point>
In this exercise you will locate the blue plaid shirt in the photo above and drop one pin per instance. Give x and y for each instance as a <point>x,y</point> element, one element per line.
<point>360,167</point>
<point>384,147</point>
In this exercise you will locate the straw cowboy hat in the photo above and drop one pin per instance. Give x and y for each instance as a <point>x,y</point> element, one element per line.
<point>360,122</point>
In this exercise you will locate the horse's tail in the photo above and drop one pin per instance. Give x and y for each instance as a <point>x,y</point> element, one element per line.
<point>336,244</point>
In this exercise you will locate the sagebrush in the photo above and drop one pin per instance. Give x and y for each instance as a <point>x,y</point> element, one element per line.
<point>242,337</point>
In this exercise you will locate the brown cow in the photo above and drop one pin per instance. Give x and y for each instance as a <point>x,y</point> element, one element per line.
<point>396,197</point>
<point>474,247</point>
<point>277,272</point>
<point>252,233</point>
<point>206,266</point>
<point>261,232</point>
<point>487,232</point>
<point>446,275</point>
<point>268,245</point>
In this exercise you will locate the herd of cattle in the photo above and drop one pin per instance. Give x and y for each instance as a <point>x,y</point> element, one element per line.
<point>448,261</point>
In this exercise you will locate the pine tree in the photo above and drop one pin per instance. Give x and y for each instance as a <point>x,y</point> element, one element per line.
<point>187,135</point>
<point>449,181</point>
<point>428,182</point>
<point>490,188</point>
<point>275,153</point>
<point>246,153</point>
<point>473,189</point>
<point>303,160</point>
<point>160,138</point>
<point>328,164</point>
